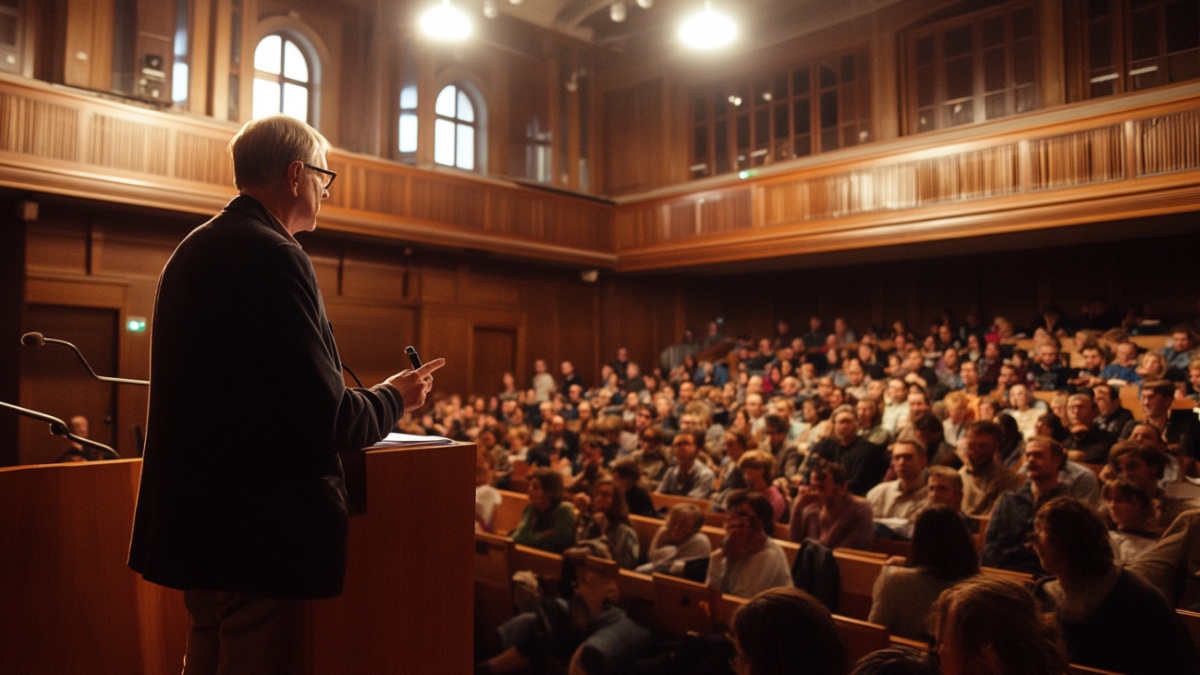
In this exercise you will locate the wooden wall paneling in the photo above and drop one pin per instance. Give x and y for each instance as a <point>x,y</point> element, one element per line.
<point>445,331</point>
<point>578,326</point>
<point>633,121</point>
<point>1052,58</point>
<point>371,337</point>
<point>58,246</point>
<point>88,47</point>
<point>1168,143</point>
<point>383,273</point>
<point>493,352</point>
<point>460,204</point>
<point>200,41</point>
<point>128,145</point>
<point>155,38</point>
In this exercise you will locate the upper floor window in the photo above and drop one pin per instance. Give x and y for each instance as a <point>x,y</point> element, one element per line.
<point>283,80</point>
<point>815,107</point>
<point>407,132</point>
<point>972,68</point>
<point>1129,45</point>
<point>10,35</point>
<point>455,131</point>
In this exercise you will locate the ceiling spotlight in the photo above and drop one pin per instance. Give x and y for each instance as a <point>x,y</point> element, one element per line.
<point>490,10</point>
<point>515,2</point>
<point>708,29</point>
<point>616,11</point>
<point>445,23</point>
<point>645,4</point>
<point>735,100</point>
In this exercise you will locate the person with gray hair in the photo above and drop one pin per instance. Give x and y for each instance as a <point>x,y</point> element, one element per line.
<point>242,501</point>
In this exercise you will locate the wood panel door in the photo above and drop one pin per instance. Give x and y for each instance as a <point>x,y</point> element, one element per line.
<point>54,382</point>
<point>494,352</point>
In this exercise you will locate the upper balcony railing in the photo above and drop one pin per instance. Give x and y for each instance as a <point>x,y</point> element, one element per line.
<point>1116,158</point>
<point>1121,157</point>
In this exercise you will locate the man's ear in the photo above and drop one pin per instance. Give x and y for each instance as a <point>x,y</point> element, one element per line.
<point>294,176</point>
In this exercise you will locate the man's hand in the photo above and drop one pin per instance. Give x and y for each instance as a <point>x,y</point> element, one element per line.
<point>413,385</point>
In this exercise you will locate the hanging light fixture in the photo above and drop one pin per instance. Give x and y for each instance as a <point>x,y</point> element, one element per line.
<point>490,10</point>
<point>708,30</point>
<point>445,23</point>
<point>616,11</point>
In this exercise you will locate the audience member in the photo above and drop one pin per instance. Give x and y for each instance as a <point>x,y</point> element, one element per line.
<point>625,473</point>
<point>1012,519</point>
<point>826,511</point>
<point>992,626</point>
<point>688,478</point>
<point>984,477</point>
<point>1112,415</point>
<point>785,631</point>
<point>602,527</point>
<point>678,542</point>
<point>749,561</point>
<point>588,634</point>
<point>548,521</point>
<point>757,469</point>
<point>1087,442</point>
<point>904,497</point>
<point>487,498</point>
<point>943,554</point>
<point>1173,564</point>
<point>897,661</point>
<point>729,476</point>
<point>1134,526</point>
<point>865,463</point>
<point>1110,619</point>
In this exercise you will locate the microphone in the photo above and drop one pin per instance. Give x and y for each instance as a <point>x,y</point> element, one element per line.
<point>60,428</point>
<point>35,339</point>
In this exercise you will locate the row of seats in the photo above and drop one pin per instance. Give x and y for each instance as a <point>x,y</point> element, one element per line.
<point>676,606</point>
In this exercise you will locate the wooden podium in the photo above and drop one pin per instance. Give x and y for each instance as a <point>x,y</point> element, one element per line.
<point>70,605</point>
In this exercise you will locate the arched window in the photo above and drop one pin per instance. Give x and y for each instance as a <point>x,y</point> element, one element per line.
<point>456,129</point>
<point>283,81</point>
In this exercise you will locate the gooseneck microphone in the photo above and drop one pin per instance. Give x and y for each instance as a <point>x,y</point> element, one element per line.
<point>35,339</point>
<point>60,428</point>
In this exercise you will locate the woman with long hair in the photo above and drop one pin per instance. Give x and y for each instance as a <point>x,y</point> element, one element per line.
<point>1111,619</point>
<point>943,554</point>
<point>785,631</point>
<point>992,626</point>
<point>603,529</point>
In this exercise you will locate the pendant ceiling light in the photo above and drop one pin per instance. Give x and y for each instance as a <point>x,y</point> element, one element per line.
<point>708,29</point>
<point>445,23</point>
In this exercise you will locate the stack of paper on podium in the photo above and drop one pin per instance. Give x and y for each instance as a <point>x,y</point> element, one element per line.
<point>399,440</point>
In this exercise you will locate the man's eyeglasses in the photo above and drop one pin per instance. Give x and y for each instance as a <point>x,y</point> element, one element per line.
<point>330,175</point>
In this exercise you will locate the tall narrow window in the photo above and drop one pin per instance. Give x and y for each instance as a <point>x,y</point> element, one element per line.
<point>973,68</point>
<point>179,72</point>
<point>1130,45</point>
<point>282,82</point>
<point>10,35</point>
<point>407,133</point>
<point>808,108</point>
<point>454,131</point>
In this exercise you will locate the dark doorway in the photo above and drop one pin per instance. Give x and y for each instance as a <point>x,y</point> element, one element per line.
<point>54,382</point>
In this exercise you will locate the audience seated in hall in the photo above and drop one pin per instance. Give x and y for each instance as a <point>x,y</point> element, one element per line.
<point>548,522</point>
<point>826,512</point>
<point>487,498</point>
<point>865,463</point>
<point>689,477</point>
<point>785,630</point>
<point>625,473</point>
<point>994,625</point>
<point>984,477</point>
<point>943,553</point>
<point>729,476</point>
<point>1110,618</point>
<point>1012,518</point>
<point>749,561</point>
<point>901,499</point>
<point>602,526</point>
<point>588,634</point>
<point>678,542</point>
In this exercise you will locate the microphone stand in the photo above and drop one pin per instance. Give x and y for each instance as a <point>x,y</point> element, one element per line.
<point>37,340</point>
<point>60,428</point>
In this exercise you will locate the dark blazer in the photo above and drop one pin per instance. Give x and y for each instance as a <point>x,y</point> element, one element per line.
<point>241,488</point>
